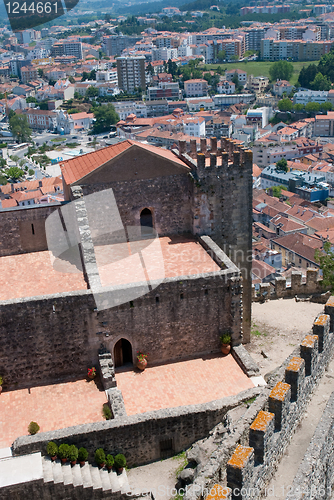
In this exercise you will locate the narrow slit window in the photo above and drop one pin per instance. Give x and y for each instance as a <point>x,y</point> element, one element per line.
<point>32,229</point>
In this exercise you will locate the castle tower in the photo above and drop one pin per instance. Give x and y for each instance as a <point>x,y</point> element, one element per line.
<point>222,206</point>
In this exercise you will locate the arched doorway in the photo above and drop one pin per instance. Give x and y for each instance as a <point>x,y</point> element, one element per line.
<point>122,353</point>
<point>146,221</point>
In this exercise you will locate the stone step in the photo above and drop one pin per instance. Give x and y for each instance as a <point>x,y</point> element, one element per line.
<point>67,473</point>
<point>57,472</point>
<point>77,476</point>
<point>114,482</point>
<point>124,482</point>
<point>5,453</point>
<point>47,469</point>
<point>106,486</point>
<point>96,478</point>
<point>86,476</point>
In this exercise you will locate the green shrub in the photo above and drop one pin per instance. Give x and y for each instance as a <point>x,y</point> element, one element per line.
<point>106,411</point>
<point>110,461</point>
<point>120,461</point>
<point>73,453</point>
<point>82,455</point>
<point>225,338</point>
<point>33,428</point>
<point>1,380</point>
<point>63,450</point>
<point>52,449</point>
<point>100,456</point>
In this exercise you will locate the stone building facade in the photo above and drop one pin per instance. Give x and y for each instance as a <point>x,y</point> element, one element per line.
<point>194,199</point>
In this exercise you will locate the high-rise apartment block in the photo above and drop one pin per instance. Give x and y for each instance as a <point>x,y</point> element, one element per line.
<point>131,72</point>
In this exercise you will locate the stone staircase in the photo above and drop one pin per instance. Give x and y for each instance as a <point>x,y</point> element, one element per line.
<point>87,482</point>
<point>34,476</point>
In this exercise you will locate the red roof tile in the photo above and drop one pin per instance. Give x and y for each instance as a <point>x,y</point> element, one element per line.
<point>77,168</point>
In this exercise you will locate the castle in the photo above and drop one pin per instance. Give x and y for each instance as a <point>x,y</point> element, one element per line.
<point>199,205</point>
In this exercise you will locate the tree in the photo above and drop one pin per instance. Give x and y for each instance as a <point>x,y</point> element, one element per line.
<point>326,106</point>
<point>312,107</point>
<point>92,92</point>
<point>282,165</point>
<point>320,82</point>
<point>307,75</point>
<point>40,72</point>
<point>105,116</point>
<point>221,56</point>
<point>298,107</point>
<point>150,69</point>
<point>31,171</point>
<point>281,70</point>
<point>15,173</point>
<point>19,127</point>
<point>71,79</point>
<point>277,190</point>
<point>31,99</point>
<point>326,262</point>
<point>3,180</point>
<point>284,105</point>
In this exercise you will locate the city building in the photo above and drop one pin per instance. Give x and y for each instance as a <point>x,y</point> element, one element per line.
<point>131,73</point>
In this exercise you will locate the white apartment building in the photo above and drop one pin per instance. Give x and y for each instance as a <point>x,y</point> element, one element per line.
<point>305,96</point>
<point>131,73</point>
<point>197,87</point>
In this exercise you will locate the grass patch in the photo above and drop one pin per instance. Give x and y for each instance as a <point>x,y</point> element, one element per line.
<point>72,144</point>
<point>181,456</point>
<point>255,331</point>
<point>250,401</point>
<point>58,139</point>
<point>261,68</point>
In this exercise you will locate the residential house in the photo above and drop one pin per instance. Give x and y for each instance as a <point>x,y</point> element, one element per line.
<point>196,87</point>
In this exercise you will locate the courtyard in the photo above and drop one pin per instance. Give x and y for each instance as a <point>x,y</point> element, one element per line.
<point>195,381</point>
<point>51,406</point>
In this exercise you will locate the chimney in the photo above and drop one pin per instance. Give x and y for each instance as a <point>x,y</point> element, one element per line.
<point>40,184</point>
<point>12,188</point>
<point>203,145</point>
<point>213,144</point>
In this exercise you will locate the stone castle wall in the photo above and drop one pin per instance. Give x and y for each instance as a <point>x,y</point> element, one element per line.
<point>315,475</point>
<point>312,286</point>
<point>22,230</point>
<point>248,457</point>
<point>140,437</point>
<point>43,339</point>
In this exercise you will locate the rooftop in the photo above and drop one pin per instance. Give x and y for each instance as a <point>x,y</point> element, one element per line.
<point>32,275</point>
<point>181,256</point>
<point>189,382</point>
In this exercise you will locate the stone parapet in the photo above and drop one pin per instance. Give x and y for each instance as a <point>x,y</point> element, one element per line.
<point>321,329</point>
<point>295,376</point>
<point>260,434</point>
<point>309,352</point>
<point>279,401</point>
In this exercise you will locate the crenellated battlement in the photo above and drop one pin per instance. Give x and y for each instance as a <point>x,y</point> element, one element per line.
<point>224,154</point>
<point>247,459</point>
<point>312,286</point>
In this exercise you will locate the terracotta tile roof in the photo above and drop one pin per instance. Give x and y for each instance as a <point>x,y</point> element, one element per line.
<point>256,170</point>
<point>262,269</point>
<point>321,223</point>
<point>77,168</point>
<point>48,183</point>
<point>8,203</point>
<point>287,225</point>
<point>301,244</point>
